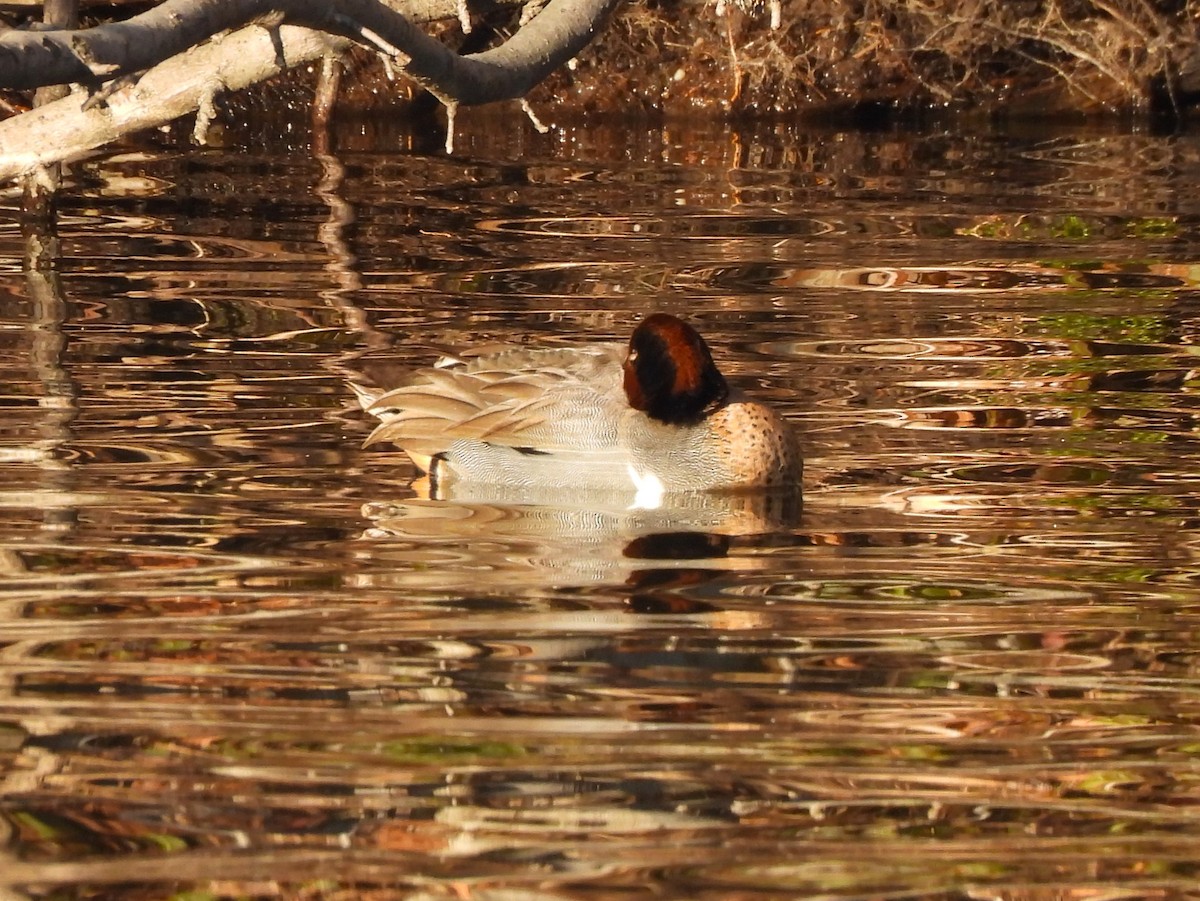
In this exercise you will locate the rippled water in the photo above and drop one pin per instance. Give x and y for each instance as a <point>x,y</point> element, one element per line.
<point>240,658</point>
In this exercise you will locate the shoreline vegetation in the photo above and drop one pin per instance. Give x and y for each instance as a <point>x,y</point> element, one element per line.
<point>74,77</point>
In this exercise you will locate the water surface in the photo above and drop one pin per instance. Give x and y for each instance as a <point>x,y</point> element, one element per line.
<point>240,657</point>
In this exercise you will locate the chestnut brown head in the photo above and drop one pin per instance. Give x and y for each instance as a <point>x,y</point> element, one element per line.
<point>669,372</point>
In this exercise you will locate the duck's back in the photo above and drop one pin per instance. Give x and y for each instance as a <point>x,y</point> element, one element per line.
<point>518,417</point>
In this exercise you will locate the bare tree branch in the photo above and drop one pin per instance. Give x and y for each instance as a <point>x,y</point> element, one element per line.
<point>63,130</point>
<point>39,188</point>
<point>184,74</point>
<point>555,35</point>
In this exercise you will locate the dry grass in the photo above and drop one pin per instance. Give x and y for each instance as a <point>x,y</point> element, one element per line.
<point>1023,56</point>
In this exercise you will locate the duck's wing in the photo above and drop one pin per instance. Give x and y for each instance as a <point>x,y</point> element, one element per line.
<point>552,401</point>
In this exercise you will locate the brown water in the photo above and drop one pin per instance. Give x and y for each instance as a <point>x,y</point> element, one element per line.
<point>238,658</point>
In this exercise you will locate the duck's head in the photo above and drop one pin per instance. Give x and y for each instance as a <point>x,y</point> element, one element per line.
<point>669,372</point>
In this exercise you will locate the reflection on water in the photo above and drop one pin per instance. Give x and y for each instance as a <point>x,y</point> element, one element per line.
<point>240,656</point>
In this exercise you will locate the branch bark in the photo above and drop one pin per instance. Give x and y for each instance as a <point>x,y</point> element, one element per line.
<point>183,74</point>
<point>555,35</point>
<point>63,130</point>
<point>40,189</point>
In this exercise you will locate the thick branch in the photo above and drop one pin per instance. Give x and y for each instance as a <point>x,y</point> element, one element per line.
<point>558,33</point>
<point>63,131</point>
<point>30,59</point>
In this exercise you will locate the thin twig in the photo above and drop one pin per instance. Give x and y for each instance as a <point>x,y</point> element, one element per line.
<point>537,123</point>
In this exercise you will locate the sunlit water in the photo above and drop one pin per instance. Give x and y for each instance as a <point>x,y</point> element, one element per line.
<point>240,658</point>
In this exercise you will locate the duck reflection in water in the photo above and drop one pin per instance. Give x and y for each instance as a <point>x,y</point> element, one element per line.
<point>605,440</point>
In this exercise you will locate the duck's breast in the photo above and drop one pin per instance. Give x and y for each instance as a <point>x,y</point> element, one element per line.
<point>743,444</point>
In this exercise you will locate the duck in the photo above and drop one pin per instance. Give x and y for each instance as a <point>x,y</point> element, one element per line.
<point>654,416</point>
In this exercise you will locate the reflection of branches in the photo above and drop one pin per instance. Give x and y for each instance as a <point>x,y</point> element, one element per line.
<point>49,316</point>
<point>341,214</point>
<point>58,400</point>
<point>48,346</point>
<point>343,264</point>
<point>49,308</point>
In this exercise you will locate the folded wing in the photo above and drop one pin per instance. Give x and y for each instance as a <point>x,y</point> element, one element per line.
<point>564,403</point>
